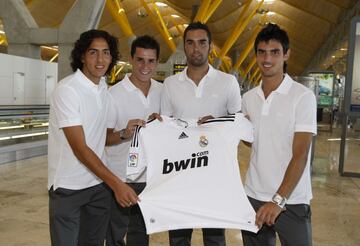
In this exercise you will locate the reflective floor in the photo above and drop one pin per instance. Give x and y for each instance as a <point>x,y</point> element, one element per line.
<point>335,207</point>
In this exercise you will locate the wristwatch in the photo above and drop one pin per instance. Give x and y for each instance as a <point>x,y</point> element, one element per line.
<point>279,200</point>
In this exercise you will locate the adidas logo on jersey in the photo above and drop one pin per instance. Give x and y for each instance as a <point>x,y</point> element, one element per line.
<point>199,159</point>
<point>183,135</point>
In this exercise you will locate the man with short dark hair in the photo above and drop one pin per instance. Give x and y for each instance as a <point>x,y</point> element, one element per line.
<point>134,99</point>
<point>199,92</point>
<point>283,113</point>
<point>79,201</point>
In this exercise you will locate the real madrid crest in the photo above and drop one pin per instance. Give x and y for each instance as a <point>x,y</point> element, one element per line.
<point>203,141</point>
<point>133,160</point>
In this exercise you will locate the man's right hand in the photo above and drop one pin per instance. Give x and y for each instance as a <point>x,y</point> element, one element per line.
<point>205,118</point>
<point>125,195</point>
<point>131,126</point>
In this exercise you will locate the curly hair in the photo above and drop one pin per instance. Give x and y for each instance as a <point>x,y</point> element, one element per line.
<point>84,42</point>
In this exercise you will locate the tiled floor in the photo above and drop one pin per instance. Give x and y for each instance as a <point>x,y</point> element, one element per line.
<point>336,203</point>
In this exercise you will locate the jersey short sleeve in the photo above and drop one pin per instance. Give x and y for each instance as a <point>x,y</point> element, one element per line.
<point>234,97</point>
<point>237,127</point>
<point>305,113</point>
<point>244,128</point>
<point>66,105</point>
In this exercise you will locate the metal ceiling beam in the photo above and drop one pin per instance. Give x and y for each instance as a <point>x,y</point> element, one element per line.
<point>214,5</point>
<point>179,30</point>
<point>161,27</point>
<point>239,28</point>
<point>54,57</point>
<point>3,40</point>
<point>118,13</point>
<point>202,10</point>
<point>164,27</point>
<point>250,66</point>
<point>255,73</point>
<point>257,80</point>
<point>248,48</point>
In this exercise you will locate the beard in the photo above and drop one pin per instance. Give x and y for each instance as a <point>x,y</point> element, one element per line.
<point>197,61</point>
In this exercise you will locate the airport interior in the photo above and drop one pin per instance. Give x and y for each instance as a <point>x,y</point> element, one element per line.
<point>37,36</point>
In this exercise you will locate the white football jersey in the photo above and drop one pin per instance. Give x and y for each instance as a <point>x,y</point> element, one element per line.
<point>193,178</point>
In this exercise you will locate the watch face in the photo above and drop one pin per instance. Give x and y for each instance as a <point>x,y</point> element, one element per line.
<point>278,200</point>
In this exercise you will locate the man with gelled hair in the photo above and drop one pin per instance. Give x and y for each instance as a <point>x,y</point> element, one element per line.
<point>283,113</point>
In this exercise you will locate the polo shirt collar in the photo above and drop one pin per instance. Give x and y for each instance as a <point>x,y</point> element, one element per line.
<point>283,88</point>
<point>85,81</point>
<point>129,86</point>
<point>285,85</point>
<point>211,73</point>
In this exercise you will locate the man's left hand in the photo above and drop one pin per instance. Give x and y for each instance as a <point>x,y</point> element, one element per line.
<point>267,214</point>
<point>155,116</point>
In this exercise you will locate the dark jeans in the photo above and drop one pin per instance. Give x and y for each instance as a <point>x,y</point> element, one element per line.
<point>293,227</point>
<point>211,237</point>
<point>79,217</point>
<point>127,221</point>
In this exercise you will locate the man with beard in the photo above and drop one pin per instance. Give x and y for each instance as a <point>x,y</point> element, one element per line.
<point>200,91</point>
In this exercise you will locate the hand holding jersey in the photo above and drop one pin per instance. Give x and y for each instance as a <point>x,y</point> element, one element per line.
<point>176,156</point>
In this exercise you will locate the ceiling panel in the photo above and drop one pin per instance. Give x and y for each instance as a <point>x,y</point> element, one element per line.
<point>308,22</point>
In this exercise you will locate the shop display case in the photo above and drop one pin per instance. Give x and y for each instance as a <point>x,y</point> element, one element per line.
<point>23,131</point>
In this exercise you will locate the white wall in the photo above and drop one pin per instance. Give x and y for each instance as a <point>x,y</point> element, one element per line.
<point>26,81</point>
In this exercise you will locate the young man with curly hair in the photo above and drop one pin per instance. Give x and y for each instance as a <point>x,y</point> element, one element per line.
<point>79,201</point>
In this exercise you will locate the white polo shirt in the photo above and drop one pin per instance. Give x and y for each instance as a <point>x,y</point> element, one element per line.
<point>290,108</point>
<point>193,178</point>
<point>128,102</point>
<point>217,94</point>
<point>76,101</point>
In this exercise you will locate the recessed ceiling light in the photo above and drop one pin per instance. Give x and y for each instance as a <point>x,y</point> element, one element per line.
<point>160,4</point>
<point>175,16</point>
<point>343,49</point>
<point>333,56</point>
<point>2,32</point>
<point>267,1</point>
<point>271,13</point>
